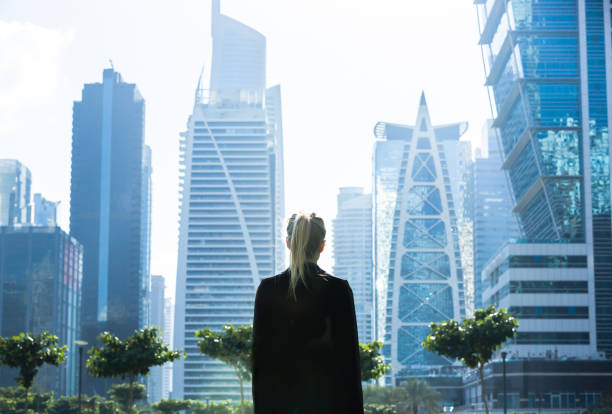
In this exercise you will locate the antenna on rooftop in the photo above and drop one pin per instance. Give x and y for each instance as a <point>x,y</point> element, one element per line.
<point>111,64</point>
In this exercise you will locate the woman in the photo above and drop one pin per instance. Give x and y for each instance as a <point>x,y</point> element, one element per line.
<point>305,347</point>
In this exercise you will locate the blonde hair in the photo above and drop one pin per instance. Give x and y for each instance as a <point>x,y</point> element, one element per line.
<point>306,233</point>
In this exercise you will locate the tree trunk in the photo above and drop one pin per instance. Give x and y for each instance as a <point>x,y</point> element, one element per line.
<point>482,386</point>
<point>26,399</point>
<point>131,397</point>
<point>241,387</point>
<point>415,408</point>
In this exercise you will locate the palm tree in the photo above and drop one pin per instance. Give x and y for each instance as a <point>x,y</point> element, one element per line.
<point>418,394</point>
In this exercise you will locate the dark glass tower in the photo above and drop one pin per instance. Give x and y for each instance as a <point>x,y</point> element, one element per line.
<point>40,286</point>
<point>109,207</point>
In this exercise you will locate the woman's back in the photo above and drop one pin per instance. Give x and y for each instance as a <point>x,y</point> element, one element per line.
<point>305,350</point>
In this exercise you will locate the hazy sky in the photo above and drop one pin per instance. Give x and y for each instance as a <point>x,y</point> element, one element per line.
<point>343,65</point>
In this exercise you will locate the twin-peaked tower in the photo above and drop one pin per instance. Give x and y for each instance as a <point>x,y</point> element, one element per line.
<point>231,204</point>
<point>425,281</point>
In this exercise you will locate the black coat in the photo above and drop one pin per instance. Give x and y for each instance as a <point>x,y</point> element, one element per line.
<point>306,353</point>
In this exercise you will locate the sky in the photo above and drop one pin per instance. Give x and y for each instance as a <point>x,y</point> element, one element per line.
<point>343,65</point>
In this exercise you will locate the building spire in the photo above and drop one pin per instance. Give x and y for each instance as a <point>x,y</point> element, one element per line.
<point>423,101</point>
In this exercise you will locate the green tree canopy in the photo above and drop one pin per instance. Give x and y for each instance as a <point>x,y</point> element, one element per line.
<point>170,406</point>
<point>129,358</point>
<point>223,407</point>
<point>124,394</point>
<point>419,395</point>
<point>474,340</point>
<point>28,353</point>
<point>378,409</point>
<point>372,363</point>
<point>232,346</point>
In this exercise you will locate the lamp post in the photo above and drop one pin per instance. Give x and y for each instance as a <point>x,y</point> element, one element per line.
<point>81,344</point>
<point>503,355</point>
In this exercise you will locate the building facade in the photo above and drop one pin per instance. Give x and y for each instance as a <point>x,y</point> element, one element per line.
<point>494,223</point>
<point>548,66</point>
<point>425,281</point>
<point>40,290</point>
<point>230,222</point>
<point>110,208</point>
<point>157,318</point>
<point>352,237</point>
<point>169,340</point>
<point>15,193</point>
<point>45,211</point>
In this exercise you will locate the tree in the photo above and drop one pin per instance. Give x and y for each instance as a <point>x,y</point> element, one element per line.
<point>224,407</point>
<point>129,358</point>
<point>378,409</point>
<point>232,346</point>
<point>474,340</point>
<point>372,363</point>
<point>170,406</point>
<point>90,405</point>
<point>28,353</point>
<point>382,395</point>
<point>123,394</point>
<point>418,394</point>
<point>602,406</point>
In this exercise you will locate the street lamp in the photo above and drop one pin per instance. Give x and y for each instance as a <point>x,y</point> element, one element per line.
<point>81,344</point>
<point>503,355</point>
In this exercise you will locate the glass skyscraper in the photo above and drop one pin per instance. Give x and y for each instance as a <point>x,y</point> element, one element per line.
<point>231,204</point>
<point>110,208</point>
<point>494,223</point>
<point>546,64</point>
<point>45,211</point>
<point>40,289</point>
<point>425,280</point>
<point>15,193</point>
<point>352,231</point>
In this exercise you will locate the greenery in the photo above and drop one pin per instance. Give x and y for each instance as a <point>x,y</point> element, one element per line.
<point>419,395</point>
<point>474,340</point>
<point>28,353</point>
<point>223,407</point>
<point>124,394</point>
<point>602,406</point>
<point>232,346</point>
<point>129,358</point>
<point>372,363</point>
<point>170,406</point>
<point>408,398</point>
<point>378,409</point>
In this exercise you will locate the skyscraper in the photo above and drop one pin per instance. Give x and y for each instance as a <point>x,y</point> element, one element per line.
<point>157,318</point>
<point>547,66</point>
<point>110,208</point>
<point>168,340</point>
<point>494,224</point>
<point>425,281</point>
<point>230,220</point>
<point>15,193</point>
<point>40,289</point>
<point>45,211</point>
<point>352,236</point>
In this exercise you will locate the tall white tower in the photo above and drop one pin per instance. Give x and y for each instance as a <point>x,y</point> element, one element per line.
<point>352,230</point>
<point>231,205</point>
<point>425,281</point>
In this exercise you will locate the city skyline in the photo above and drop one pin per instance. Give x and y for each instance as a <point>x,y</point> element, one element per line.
<point>293,55</point>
